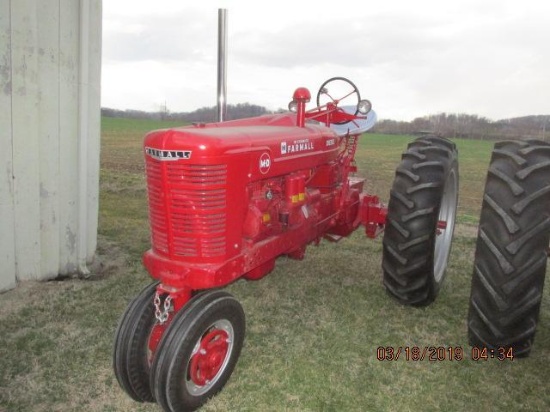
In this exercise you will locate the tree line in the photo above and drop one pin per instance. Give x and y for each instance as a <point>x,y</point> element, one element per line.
<point>204,114</point>
<point>461,125</point>
<point>470,126</point>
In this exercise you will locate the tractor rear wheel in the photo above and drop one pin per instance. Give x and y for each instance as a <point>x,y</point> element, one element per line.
<point>512,248</point>
<point>420,221</point>
<point>198,351</point>
<point>130,355</point>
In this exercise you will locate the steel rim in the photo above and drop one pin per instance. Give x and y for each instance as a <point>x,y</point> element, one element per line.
<point>444,237</point>
<point>210,357</point>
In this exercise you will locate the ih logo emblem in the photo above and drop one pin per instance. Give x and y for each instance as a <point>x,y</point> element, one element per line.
<point>265,163</point>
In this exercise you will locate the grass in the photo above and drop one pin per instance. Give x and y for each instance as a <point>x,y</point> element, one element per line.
<point>379,155</point>
<point>313,327</point>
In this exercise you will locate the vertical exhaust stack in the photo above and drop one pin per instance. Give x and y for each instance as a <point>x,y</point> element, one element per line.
<point>222,64</point>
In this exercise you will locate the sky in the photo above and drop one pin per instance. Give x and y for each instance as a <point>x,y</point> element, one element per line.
<point>409,58</point>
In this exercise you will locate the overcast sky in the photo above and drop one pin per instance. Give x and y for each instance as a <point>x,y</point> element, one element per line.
<point>410,58</point>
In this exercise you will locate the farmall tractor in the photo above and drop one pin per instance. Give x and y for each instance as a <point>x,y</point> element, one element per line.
<point>227,199</point>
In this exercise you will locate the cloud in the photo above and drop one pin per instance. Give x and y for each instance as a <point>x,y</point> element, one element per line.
<point>350,42</point>
<point>169,37</point>
<point>410,58</point>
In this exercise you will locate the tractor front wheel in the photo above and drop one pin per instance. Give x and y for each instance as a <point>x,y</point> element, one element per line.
<point>131,360</point>
<point>198,351</point>
<point>420,221</point>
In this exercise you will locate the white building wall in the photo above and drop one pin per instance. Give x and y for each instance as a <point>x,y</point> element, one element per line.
<point>50,66</point>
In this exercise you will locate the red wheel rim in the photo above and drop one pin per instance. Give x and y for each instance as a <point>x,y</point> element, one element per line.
<point>207,362</point>
<point>209,357</point>
<point>154,339</point>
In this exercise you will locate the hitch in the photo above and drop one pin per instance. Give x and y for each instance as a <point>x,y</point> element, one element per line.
<point>373,215</point>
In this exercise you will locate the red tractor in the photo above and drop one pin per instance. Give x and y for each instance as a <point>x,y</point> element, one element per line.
<point>226,199</point>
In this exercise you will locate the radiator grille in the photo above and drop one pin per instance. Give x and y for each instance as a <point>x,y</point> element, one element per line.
<point>187,208</point>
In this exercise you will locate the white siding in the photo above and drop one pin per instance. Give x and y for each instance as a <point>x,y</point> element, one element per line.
<point>68,129</point>
<point>26,154</point>
<point>7,230</point>
<point>50,65</point>
<point>48,80</point>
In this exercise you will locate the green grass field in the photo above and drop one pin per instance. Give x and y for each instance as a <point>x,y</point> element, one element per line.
<point>378,156</point>
<point>313,327</point>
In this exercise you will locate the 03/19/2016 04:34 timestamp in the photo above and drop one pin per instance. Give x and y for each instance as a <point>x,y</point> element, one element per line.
<point>442,353</point>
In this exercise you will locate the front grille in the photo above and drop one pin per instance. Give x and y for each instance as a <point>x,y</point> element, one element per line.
<point>187,208</point>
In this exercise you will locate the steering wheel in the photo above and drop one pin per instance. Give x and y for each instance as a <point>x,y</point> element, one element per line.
<point>337,90</point>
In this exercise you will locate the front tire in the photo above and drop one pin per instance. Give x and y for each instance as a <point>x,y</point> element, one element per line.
<point>198,351</point>
<point>130,356</point>
<point>420,221</point>
<point>512,248</point>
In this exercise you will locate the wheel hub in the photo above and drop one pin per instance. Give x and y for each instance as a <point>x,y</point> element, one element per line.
<point>209,357</point>
<point>207,362</point>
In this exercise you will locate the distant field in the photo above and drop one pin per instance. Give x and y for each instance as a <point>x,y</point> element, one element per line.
<point>313,327</point>
<point>378,156</point>
<point>121,142</point>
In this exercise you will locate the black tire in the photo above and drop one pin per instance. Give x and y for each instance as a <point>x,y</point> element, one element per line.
<point>130,357</point>
<point>178,378</point>
<point>512,248</point>
<point>424,192</point>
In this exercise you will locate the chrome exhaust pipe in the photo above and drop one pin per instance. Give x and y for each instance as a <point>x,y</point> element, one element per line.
<point>222,64</point>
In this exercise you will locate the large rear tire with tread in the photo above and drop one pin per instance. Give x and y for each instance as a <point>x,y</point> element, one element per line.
<point>512,248</point>
<point>420,221</point>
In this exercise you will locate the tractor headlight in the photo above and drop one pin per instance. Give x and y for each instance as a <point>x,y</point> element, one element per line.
<point>364,106</point>
<point>293,106</point>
